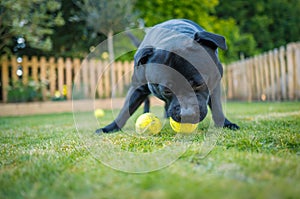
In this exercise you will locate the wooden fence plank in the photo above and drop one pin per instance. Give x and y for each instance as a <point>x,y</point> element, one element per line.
<point>249,82</point>
<point>297,70</point>
<point>69,78</point>
<point>127,72</point>
<point>14,65</point>
<point>60,71</point>
<point>261,77</point>
<point>256,80</point>
<point>283,73</point>
<point>43,77</point>
<point>85,78</point>
<point>254,89</point>
<point>25,66</point>
<point>233,80</point>
<point>244,80</point>
<point>52,76</point>
<point>77,66</point>
<point>107,81</point>
<point>229,83</point>
<point>92,73</point>
<point>100,89</point>
<point>120,78</point>
<point>266,76</point>
<point>34,68</point>
<point>290,70</point>
<point>272,75</point>
<point>77,74</point>
<point>277,74</point>
<point>5,77</point>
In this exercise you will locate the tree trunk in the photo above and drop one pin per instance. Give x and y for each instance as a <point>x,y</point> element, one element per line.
<point>111,60</point>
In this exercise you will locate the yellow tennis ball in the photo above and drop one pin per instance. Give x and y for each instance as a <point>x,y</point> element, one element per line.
<point>99,113</point>
<point>148,123</point>
<point>182,127</point>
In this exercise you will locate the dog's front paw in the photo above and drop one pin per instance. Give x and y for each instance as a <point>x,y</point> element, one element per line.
<point>111,128</point>
<point>100,131</point>
<point>230,125</point>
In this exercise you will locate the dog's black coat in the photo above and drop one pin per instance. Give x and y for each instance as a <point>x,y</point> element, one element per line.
<point>169,71</point>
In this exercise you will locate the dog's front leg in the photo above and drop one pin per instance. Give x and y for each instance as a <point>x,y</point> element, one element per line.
<point>215,106</point>
<point>134,98</point>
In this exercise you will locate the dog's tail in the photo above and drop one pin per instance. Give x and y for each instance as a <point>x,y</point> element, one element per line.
<point>135,41</point>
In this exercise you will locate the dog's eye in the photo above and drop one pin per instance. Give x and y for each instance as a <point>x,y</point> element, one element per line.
<point>200,87</point>
<point>166,92</point>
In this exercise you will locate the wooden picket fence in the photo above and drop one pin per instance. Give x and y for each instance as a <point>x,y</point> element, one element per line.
<point>61,75</point>
<point>272,76</point>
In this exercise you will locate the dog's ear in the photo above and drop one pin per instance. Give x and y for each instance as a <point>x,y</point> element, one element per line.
<point>142,55</point>
<point>210,39</point>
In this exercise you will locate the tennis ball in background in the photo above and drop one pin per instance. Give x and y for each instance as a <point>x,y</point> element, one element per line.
<point>99,113</point>
<point>148,123</point>
<point>182,127</point>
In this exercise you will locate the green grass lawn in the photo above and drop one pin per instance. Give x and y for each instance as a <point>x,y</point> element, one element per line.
<point>45,157</point>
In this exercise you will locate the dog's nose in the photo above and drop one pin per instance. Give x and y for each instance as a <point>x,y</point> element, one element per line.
<point>189,115</point>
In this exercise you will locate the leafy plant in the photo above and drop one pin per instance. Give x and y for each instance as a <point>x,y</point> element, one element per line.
<point>20,92</point>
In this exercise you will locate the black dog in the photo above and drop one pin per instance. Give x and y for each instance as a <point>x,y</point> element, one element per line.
<point>177,62</point>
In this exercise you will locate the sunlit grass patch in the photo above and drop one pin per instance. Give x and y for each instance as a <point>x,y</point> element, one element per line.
<point>45,156</point>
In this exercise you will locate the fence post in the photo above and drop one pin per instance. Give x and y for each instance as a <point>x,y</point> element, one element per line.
<point>232,81</point>
<point>272,76</point>
<point>261,74</point>
<point>100,75</point>
<point>52,76</point>
<point>266,66</point>
<point>255,66</point>
<point>77,75</point>
<point>43,75</point>
<point>25,64</point>
<point>107,81</point>
<point>34,68</point>
<point>226,81</point>
<point>290,70</point>
<point>69,78</point>
<point>254,85</point>
<point>297,70</point>
<point>235,79</point>
<point>92,78</point>
<point>282,71</point>
<point>249,74</point>
<point>244,79</point>
<point>5,81</point>
<point>60,68</point>
<point>129,66</point>
<point>120,78</point>
<point>85,77</point>
<point>277,74</point>
<point>14,65</point>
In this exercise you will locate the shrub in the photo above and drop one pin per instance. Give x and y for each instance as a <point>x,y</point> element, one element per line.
<point>20,92</point>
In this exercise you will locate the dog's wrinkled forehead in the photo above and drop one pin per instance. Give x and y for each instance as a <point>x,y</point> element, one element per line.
<point>167,77</point>
<point>174,62</point>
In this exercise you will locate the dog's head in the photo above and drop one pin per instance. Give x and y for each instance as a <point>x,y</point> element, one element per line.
<point>174,79</point>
